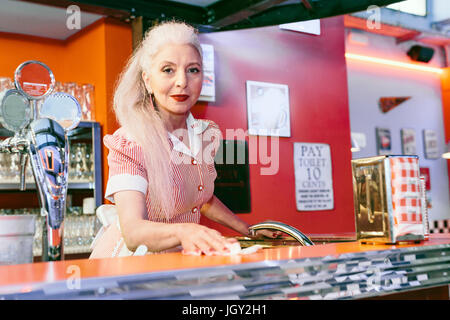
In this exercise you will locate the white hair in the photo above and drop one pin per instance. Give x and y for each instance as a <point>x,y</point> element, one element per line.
<point>136,113</point>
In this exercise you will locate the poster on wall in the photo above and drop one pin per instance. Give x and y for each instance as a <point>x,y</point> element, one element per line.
<point>313,177</point>
<point>208,92</point>
<point>268,109</point>
<point>424,171</point>
<point>408,141</point>
<point>383,141</point>
<point>430,144</point>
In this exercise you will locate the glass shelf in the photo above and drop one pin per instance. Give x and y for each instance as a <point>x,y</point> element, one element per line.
<point>32,186</point>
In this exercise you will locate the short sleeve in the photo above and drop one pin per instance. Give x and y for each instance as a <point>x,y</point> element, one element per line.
<point>126,165</point>
<point>213,133</point>
<point>212,136</point>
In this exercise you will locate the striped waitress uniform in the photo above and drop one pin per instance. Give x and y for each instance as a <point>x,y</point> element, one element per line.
<point>193,179</point>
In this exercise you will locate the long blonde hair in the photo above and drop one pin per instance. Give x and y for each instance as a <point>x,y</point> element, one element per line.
<point>136,113</point>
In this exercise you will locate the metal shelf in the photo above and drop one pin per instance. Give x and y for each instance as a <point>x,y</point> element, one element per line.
<point>86,130</point>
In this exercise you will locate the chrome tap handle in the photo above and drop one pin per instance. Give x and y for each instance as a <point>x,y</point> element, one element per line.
<point>279,226</point>
<point>48,149</point>
<point>23,167</point>
<point>41,121</point>
<point>5,145</point>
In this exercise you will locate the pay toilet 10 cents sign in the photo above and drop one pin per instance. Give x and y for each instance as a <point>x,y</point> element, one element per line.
<point>313,177</point>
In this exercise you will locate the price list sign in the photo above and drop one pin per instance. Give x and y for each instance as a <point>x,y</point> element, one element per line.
<point>313,177</point>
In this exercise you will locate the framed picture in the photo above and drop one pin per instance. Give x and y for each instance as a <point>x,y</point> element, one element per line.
<point>408,141</point>
<point>268,109</point>
<point>208,92</point>
<point>383,141</point>
<point>430,144</point>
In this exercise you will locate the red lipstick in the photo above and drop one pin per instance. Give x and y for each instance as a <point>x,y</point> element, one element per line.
<point>180,97</point>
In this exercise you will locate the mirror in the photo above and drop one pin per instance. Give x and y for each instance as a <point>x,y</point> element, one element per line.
<point>15,111</point>
<point>63,108</point>
<point>34,79</point>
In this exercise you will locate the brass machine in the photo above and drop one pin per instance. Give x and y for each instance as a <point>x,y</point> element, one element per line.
<point>389,199</point>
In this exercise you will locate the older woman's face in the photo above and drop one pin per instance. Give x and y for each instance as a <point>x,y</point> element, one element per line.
<point>175,78</point>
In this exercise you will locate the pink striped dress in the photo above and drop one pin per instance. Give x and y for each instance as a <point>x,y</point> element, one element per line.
<point>193,184</point>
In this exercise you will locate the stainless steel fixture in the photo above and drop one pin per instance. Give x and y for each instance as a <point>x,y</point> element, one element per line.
<point>41,121</point>
<point>279,226</point>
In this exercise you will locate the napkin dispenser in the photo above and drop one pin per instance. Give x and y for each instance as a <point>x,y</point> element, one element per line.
<point>388,199</point>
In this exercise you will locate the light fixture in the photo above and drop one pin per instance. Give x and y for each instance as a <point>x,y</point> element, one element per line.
<point>358,140</point>
<point>355,146</point>
<point>393,63</point>
<point>446,155</point>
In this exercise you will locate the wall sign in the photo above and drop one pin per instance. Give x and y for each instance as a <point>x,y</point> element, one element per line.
<point>430,143</point>
<point>408,141</point>
<point>383,141</point>
<point>313,177</point>
<point>208,92</point>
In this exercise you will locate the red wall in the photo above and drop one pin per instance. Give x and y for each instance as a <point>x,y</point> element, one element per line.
<point>314,69</point>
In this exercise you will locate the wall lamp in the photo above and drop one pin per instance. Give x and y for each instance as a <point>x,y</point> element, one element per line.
<point>393,63</point>
<point>446,155</point>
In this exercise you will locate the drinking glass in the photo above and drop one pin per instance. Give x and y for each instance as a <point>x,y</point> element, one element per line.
<point>79,160</point>
<point>4,165</point>
<point>6,84</point>
<point>87,102</point>
<point>14,167</point>
<point>88,162</point>
<point>76,164</point>
<point>59,87</point>
<point>70,88</point>
<point>72,162</point>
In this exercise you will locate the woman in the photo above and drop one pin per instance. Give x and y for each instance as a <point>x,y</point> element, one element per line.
<point>161,160</point>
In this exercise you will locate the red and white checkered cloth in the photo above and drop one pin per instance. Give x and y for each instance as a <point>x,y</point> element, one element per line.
<point>406,196</point>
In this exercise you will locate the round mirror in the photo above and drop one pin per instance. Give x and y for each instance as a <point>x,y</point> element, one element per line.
<point>63,108</point>
<point>34,79</point>
<point>15,111</point>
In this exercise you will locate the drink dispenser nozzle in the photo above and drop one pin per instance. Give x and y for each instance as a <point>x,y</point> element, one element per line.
<point>41,136</point>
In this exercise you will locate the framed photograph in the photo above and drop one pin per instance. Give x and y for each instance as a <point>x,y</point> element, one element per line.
<point>383,141</point>
<point>208,92</point>
<point>408,141</point>
<point>430,144</point>
<point>268,109</point>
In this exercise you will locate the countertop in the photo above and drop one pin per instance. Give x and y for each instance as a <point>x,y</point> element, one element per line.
<point>30,277</point>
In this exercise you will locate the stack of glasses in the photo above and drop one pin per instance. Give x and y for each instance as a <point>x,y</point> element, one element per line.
<point>81,163</point>
<point>79,229</point>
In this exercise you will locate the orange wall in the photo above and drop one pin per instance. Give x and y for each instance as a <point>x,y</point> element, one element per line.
<point>94,55</point>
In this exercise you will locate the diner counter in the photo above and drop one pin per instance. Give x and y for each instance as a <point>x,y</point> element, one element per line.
<point>345,270</point>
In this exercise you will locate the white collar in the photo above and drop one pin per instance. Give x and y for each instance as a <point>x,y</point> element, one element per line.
<point>195,129</point>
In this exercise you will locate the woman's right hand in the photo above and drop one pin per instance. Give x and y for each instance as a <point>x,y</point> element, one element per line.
<point>198,239</point>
